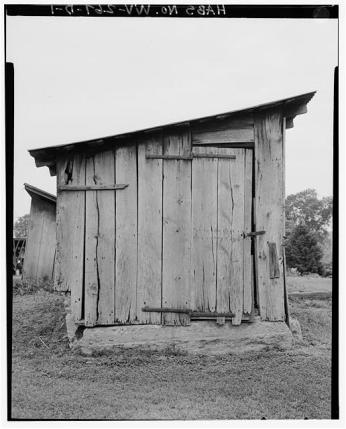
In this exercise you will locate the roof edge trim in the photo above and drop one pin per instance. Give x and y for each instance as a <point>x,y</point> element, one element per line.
<point>291,106</point>
<point>33,191</point>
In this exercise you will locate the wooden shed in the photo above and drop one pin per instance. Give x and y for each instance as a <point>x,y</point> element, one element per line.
<point>175,223</point>
<point>41,240</point>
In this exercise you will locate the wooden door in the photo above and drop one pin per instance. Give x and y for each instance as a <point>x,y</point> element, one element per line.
<point>221,214</point>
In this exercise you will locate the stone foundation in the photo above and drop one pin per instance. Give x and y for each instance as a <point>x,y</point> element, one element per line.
<point>202,337</point>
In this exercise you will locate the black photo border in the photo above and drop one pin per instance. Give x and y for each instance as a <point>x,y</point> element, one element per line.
<point>231,11</point>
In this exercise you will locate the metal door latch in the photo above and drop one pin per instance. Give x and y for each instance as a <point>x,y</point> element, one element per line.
<point>253,234</point>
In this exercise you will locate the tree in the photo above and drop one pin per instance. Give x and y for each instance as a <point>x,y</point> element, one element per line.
<point>21,226</point>
<point>304,208</point>
<point>303,251</point>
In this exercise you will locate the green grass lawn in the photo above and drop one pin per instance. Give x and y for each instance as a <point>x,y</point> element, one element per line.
<point>50,381</point>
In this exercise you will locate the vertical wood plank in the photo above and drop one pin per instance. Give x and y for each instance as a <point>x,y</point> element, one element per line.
<point>45,260</point>
<point>126,235</point>
<point>32,248</point>
<point>59,283</point>
<point>41,245</point>
<point>269,210</point>
<point>92,279</point>
<point>176,269</point>
<point>70,218</point>
<point>274,271</point>
<point>253,291</point>
<point>230,227</point>
<point>204,230</point>
<point>40,231</point>
<point>255,250</point>
<point>283,253</point>
<point>247,267</point>
<point>99,244</point>
<point>149,230</point>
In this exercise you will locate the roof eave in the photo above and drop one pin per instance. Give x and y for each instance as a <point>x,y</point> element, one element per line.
<point>36,192</point>
<point>291,107</point>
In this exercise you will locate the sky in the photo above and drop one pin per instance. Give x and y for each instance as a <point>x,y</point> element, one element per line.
<point>83,78</point>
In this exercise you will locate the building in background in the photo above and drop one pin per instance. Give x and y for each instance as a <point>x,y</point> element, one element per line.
<point>41,240</point>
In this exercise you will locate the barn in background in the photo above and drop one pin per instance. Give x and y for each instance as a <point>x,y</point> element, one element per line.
<point>41,240</point>
<point>175,224</point>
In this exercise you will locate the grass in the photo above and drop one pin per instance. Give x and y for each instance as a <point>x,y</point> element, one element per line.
<point>50,381</point>
<point>309,284</point>
<point>25,287</point>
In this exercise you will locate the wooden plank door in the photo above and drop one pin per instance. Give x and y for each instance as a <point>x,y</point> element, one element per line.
<point>221,213</point>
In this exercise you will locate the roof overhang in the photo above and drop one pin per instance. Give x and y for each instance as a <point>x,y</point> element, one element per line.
<point>290,107</point>
<point>39,193</point>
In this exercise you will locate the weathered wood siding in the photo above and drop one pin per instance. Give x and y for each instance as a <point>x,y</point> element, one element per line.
<point>247,257</point>
<point>99,241</point>
<point>221,213</point>
<point>269,207</point>
<point>174,237</point>
<point>149,277</point>
<point>234,130</point>
<point>70,223</point>
<point>40,245</point>
<point>126,235</point>
<point>204,230</point>
<point>176,256</point>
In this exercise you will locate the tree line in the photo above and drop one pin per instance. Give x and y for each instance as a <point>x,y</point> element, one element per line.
<point>308,240</point>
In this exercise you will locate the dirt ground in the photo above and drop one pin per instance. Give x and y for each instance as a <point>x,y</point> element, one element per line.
<point>51,382</point>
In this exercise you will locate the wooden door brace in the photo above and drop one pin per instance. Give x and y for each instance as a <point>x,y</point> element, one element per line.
<point>189,157</point>
<point>187,311</point>
<point>114,187</point>
<point>198,315</point>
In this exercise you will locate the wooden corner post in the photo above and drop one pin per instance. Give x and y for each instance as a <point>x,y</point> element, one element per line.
<point>269,213</point>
